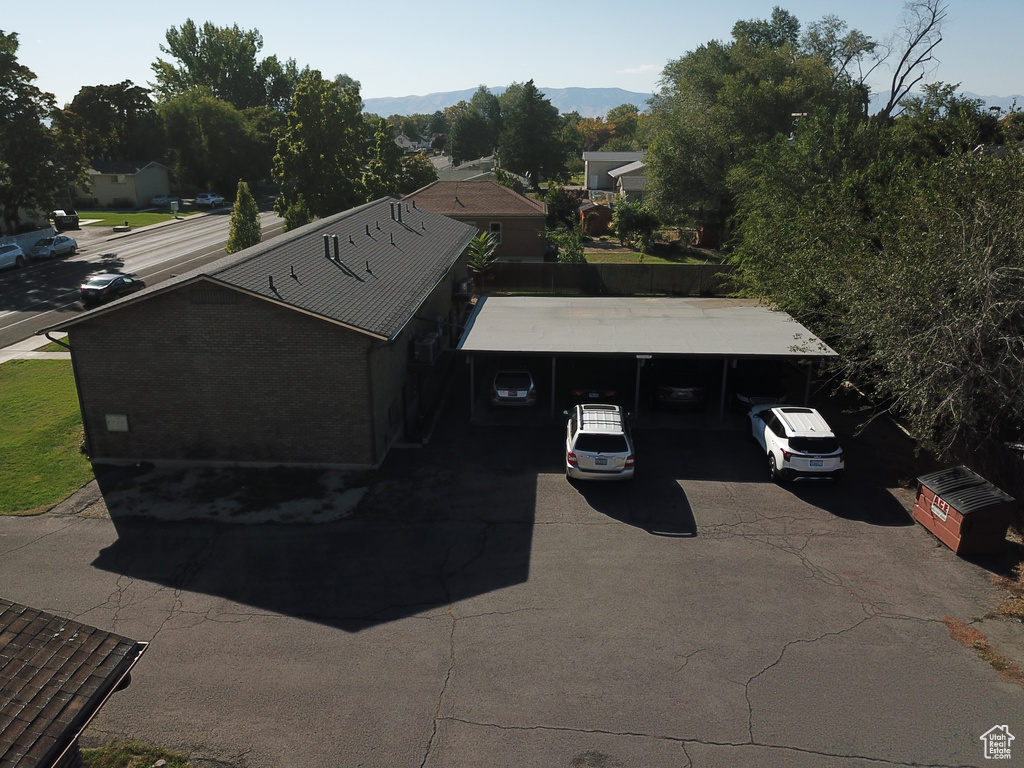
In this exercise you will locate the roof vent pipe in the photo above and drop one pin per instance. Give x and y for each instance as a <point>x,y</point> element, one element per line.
<point>414,204</point>
<point>327,247</point>
<point>271,279</point>
<point>337,255</point>
<point>377,224</point>
<point>294,276</point>
<point>399,213</point>
<point>392,238</point>
<point>351,241</point>
<point>392,211</point>
<point>368,266</point>
<point>367,229</point>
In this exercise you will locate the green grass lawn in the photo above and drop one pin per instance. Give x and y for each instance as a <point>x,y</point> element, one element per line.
<point>118,218</point>
<point>41,462</point>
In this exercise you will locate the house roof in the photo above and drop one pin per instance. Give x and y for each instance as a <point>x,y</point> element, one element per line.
<point>385,268</point>
<point>55,674</point>
<point>462,199</point>
<point>613,157</point>
<point>622,170</point>
<point>632,183</point>
<point>121,167</point>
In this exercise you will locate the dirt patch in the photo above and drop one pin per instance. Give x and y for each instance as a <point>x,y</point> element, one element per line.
<point>232,495</point>
<point>970,637</point>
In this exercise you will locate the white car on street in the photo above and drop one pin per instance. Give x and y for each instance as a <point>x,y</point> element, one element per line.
<point>58,245</point>
<point>209,199</point>
<point>797,443</point>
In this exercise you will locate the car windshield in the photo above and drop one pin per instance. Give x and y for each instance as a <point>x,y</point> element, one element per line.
<point>512,380</point>
<point>590,443</point>
<point>99,282</point>
<point>814,444</point>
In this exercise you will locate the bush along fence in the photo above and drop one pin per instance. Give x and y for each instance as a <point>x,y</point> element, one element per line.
<point>610,279</point>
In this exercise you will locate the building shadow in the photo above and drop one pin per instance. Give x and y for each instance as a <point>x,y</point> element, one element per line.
<point>435,528</point>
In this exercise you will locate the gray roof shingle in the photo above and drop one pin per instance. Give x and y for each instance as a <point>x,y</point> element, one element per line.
<point>55,674</point>
<point>385,268</point>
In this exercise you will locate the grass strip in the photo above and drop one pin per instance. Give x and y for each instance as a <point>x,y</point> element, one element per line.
<point>41,462</point>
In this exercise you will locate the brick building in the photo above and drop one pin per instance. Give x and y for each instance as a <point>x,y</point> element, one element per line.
<point>313,348</point>
<point>517,221</point>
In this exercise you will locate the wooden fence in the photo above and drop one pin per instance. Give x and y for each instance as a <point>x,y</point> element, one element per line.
<point>609,279</point>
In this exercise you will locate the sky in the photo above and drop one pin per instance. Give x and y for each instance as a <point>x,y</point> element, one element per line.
<point>403,49</point>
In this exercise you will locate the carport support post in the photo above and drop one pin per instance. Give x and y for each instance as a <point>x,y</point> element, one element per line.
<point>721,397</point>
<point>472,389</point>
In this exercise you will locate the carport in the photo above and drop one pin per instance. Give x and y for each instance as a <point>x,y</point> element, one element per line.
<point>638,328</point>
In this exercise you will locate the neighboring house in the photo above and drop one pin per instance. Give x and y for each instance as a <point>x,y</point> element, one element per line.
<point>411,145</point>
<point>630,181</point>
<point>597,165</point>
<point>516,221</point>
<point>55,675</point>
<point>123,184</point>
<point>319,347</point>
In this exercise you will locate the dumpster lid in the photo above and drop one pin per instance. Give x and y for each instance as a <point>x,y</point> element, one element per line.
<point>965,490</point>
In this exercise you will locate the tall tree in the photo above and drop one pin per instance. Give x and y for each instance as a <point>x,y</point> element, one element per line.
<point>384,164</point>
<point>211,143</point>
<point>718,104</point>
<point>530,141</point>
<point>117,121</point>
<point>914,47</point>
<point>33,162</point>
<point>245,221</point>
<point>224,60</point>
<point>320,152</point>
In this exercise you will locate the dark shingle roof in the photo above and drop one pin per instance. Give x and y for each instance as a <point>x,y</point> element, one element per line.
<point>386,268</point>
<point>120,167</point>
<point>475,198</point>
<point>55,674</point>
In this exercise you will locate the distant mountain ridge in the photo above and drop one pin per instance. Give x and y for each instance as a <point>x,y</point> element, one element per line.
<point>589,102</point>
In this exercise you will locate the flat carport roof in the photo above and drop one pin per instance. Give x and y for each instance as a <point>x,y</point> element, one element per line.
<point>717,328</point>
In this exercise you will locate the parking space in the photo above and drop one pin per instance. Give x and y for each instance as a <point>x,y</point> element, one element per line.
<point>479,610</point>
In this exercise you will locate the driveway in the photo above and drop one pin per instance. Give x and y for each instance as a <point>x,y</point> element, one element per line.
<point>476,609</point>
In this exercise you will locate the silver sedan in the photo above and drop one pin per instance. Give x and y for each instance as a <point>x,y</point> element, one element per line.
<point>58,245</point>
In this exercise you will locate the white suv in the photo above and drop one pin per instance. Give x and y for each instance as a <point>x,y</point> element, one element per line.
<point>598,445</point>
<point>797,441</point>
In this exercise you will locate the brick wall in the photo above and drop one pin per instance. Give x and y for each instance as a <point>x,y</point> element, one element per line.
<point>209,374</point>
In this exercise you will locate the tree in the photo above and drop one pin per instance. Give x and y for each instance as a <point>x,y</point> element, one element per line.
<point>481,255</point>
<point>909,265</point>
<point>417,171</point>
<point>916,41</point>
<point>320,152</point>
<point>33,161</point>
<point>384,166</point>
<point>530,143</point>
<point>635,225</point>
<point>116,121</point>
<point>211,143</point>
<point>718,104</point>
<point>245,221</point>
<point>224,60</point>
<point>569,243</point>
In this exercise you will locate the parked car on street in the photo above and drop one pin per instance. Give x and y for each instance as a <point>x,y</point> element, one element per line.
<point>209,199</point>
<point>513,388</point>
<point>65,218</point>
<point>163,200</point>
<point>107,287</point>
<point>11,255</point>
<point>598,444</point>
<point>797,442</point>
<point>58,245</point>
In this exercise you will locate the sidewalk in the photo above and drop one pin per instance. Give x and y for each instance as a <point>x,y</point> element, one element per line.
<point>26,350</point>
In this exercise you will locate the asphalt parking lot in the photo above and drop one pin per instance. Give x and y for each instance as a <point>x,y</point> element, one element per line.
<point>476,609</point>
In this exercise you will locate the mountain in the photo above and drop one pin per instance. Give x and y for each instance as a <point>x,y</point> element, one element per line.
<point>589,102</point>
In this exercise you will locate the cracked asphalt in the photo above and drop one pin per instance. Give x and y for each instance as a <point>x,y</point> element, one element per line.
<point>478,610</point>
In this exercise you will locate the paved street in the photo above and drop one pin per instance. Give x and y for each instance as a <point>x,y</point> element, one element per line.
<point>479,610</point>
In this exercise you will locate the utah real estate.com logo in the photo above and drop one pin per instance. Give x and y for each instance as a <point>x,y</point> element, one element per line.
<point>997,742</point>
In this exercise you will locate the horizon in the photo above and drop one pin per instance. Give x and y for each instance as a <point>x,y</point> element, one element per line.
<point>979,52</point>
